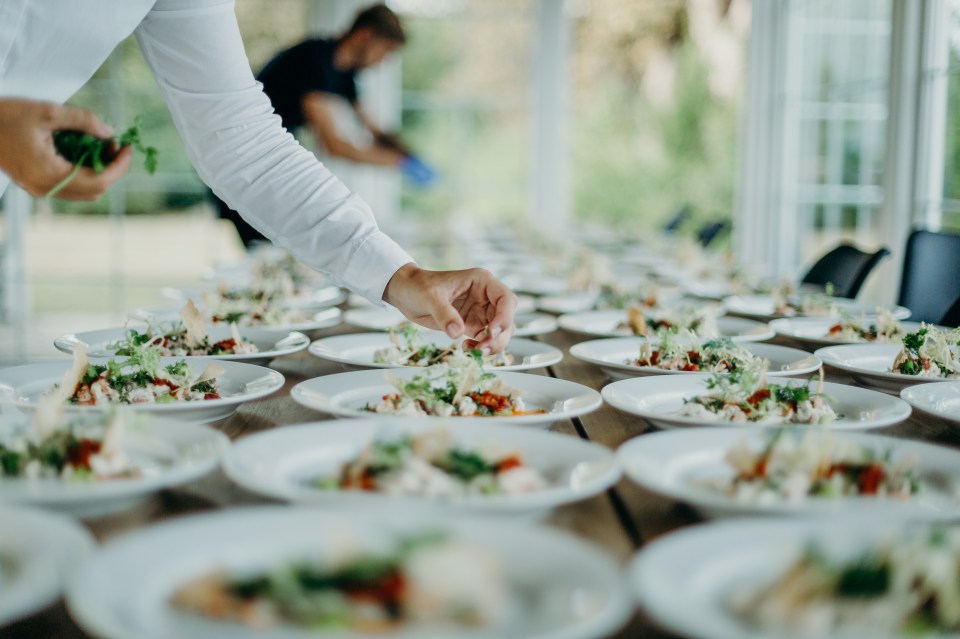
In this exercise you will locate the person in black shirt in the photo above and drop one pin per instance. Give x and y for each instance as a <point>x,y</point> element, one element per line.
<point>301,81</point>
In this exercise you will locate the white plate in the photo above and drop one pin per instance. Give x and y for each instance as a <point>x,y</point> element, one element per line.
<point>611,355</point>
<point>941,400</point>
<point>685,580</point>
<point>536,285</point>
<point>870,364</point>
<point>124,590</point>
<point>319,317</point>
<point>241,274</point>
<point>356,351</point>
<point>658,400</point>
<point>567,303</point>
<point>270,342</point>
<point>579,302</point>
<point>345,395</point>
<point>383,319</point>
<point>811,332</point>
<point>672,462</point>
<point>763,307</point>
<point>24,386</point>
<point>607,324</point>
<point>310,297</point>
<point>280,463</point>
<point>525,303</point>
<point>711,289</point>
<point>529,324</point>
<point>169,453</point>
<point>45,549</point>
<point>374,318</point>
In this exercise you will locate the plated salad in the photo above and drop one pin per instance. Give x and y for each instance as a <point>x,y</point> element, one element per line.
<point>279,286</point>
<point>426,580</point>
<point>283,271</point>
<point>683,350</point>
<point>885,328</point>
<point>648,322</point>
<point>140,379</point>
<point>929,352</point>
<point>243,313</point>
<point>745,395</point>
<point>263,303</point>
<point>803,304</point>
<point>185,338</point>
<point>906,585</point>
<point>613,297</point>
<point>795,466</point>
<point>431,464</point>
<point>408,349</point>
<point>74,449</point>
<point>445,391</point>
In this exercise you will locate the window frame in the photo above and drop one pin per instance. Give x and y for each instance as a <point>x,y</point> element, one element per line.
<point>911,191</point>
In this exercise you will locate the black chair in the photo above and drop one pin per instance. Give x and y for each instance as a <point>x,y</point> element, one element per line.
<point>678,219</point>
<point>931,275</point>
<point>846,268</point>
<point>952,317</point>
<point>711,231</point>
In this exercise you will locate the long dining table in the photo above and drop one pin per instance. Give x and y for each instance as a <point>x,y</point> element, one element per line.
<point>620,521</point>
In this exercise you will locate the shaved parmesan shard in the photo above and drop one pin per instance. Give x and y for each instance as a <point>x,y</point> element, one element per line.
<point>466,385</point>
<point>637,321</point>
<point>73,377</point>
<point>818,397</point>
<point>235,333</point>
<point>47,418</point>
<point>212,371</point>
<point>113,436</point>
<point>194,323</point>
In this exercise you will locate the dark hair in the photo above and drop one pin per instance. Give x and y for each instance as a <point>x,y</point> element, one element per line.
<point>383,22</point>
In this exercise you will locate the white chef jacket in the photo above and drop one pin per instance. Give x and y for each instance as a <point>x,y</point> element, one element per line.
<point>50,48</point>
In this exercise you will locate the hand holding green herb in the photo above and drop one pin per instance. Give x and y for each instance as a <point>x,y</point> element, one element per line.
<point>86,150</point>
<point>28,155</point>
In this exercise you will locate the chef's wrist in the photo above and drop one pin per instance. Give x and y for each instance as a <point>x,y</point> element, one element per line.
<point>401,279</point>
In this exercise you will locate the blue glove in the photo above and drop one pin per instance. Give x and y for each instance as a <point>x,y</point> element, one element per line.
<point>417,172</point>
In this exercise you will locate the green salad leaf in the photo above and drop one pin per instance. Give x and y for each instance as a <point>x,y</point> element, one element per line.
<point>85,150</point>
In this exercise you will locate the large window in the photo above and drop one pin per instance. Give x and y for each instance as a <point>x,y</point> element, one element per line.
<point>658,104</point>
<point>816,132</point>
<point>656,92</point>
<point>951,69</point>
<point>854,130</point>
<point>466,106</point>
<point>837,109</point>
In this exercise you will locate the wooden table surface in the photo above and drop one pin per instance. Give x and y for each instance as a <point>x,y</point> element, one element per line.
<point>620,521</point>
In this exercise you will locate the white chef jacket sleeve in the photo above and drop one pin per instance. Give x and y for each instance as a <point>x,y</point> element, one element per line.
<point>241,150</point>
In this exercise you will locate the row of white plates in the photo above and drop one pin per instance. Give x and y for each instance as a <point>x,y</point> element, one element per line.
<point>657,398</point>
<point>869,363</point>
<point>584,597</point>
<point>124,589</point>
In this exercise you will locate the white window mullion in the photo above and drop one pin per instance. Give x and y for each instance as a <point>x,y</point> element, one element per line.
<point>551,192</point>
<point>932,114</point>
<point>791,224</point>
<point>913,177</point>
<point>762,216</point>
